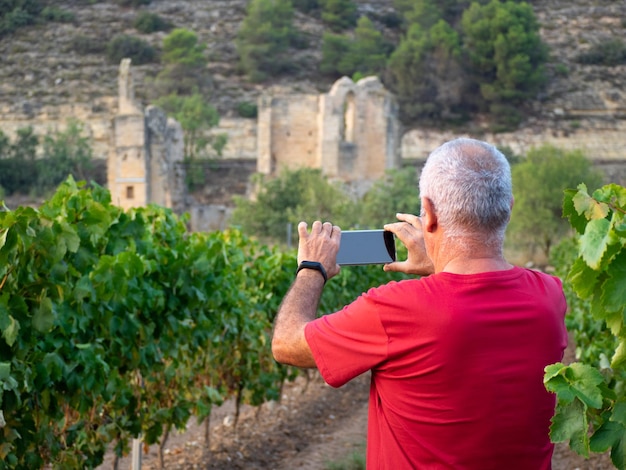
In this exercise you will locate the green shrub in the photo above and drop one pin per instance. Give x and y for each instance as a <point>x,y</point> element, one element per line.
<point>610,52</point>
<point>306,6</point>
<point>84,45</point>
<point>132,3</point>
<point>54,13</point>
<point>125,46</point>
<point>147,22</point>
<point>247,110</point>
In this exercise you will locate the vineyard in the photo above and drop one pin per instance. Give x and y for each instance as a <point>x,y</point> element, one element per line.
<point>121,324</point>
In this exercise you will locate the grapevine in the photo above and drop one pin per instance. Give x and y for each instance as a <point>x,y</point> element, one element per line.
<point>117,324</point>
<point>591,409</point>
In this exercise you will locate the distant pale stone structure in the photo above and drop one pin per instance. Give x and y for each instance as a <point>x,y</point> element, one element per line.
<point>142,166</point>
<point>351,133</point>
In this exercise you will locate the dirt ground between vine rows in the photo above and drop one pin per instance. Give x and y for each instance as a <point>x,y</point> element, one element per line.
<point>313,425</point>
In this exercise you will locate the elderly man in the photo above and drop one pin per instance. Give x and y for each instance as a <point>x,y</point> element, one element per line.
<point>457,355</point>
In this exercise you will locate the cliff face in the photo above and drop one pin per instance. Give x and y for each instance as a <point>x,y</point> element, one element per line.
<point>43,82</point>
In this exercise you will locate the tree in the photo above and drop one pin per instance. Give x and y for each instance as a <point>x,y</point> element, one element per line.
<point>195,116</point>
<point>396,192</point>
<point>538,183</point>
<point>339,14</point>
<point>65,153</point>
<point>265,37</point>
<point>185,65</point>
<point>505,51</point>
<point>426,74</point>
<point>365,54</point>
<point>295,195</point>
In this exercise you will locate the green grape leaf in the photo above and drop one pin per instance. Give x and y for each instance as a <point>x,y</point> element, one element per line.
<point>620,355</point>
<point>583,278</point>
<point>570,424</point>
<point>10,328</point>
<point>576,380</point>
<point>606,436</point>
<point>43,319</point>
<point>5,370</point>
<point>577,220</point>
<point>619,413</point>
<point>594,242</point>
<point>614,288</point>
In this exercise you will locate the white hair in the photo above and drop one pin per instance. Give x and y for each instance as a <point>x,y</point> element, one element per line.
<point>469,183</point>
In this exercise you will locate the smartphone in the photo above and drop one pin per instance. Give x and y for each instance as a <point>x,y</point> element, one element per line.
<point>360,247</point>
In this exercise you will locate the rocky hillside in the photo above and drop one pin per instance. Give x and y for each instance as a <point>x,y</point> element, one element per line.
<point>39,67</point>
<point>43,81</point>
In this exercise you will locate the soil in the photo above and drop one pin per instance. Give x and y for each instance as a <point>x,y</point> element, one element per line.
<point>312,426</point>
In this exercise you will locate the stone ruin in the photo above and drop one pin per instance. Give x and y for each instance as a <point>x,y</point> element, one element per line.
<point>352,134</point>
<point>147,147</point>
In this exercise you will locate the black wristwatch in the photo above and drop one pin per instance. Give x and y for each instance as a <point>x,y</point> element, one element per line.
<point>313,265</point>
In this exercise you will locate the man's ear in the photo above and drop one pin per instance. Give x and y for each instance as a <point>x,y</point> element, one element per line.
<point>429,216</point>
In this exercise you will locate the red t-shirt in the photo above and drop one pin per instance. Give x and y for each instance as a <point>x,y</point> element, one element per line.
<point>457,368</point>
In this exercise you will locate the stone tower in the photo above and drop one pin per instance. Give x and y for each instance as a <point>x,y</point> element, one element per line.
<point>351,133</point>
<point>142,164</point>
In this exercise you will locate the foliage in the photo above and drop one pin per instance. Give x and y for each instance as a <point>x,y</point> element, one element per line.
<point>18,169</point>
<point>132,3</point>
<point>426,74</point>
<point>181,46</point>
<point>54,13</point>
<point>65,153</point>
<point>62,153</point>
<point>538,183</point>
<point>247,109</point>
<point>148,22</point>
<point>365,54</point>
<point>610,53</point>
<point>126,46</point>
<point>15,14</point>
<point>195,116</point>
<point>295,195</point>
<point>396,192</point>
<point>185,65</point>
<point>505,50</point>
<point>264,39</point>
<point>84,45</point>
<point>306,6</point>
<point>115,324</point>
<point>591,397</point>
<point>339,14</point>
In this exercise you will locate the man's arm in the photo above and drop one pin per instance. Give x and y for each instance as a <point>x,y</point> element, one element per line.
<point>299,307</point>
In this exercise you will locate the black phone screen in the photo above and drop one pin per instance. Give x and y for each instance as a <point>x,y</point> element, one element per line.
<point>359,247</point>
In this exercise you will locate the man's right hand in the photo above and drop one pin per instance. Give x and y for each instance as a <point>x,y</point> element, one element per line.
<point>409,232</point>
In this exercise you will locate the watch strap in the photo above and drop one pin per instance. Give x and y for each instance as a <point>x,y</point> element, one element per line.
<point>315,266</point>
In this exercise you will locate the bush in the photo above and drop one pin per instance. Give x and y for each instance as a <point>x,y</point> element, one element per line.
<point>132,3</point>
<point>247,110</point>
<point>84,45</point>
<point>134,48</point>
<point>610,53</point>
<point>147,22</point>
<point>538,185</point>
<point>54,13</point>
<point>306,6</point>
